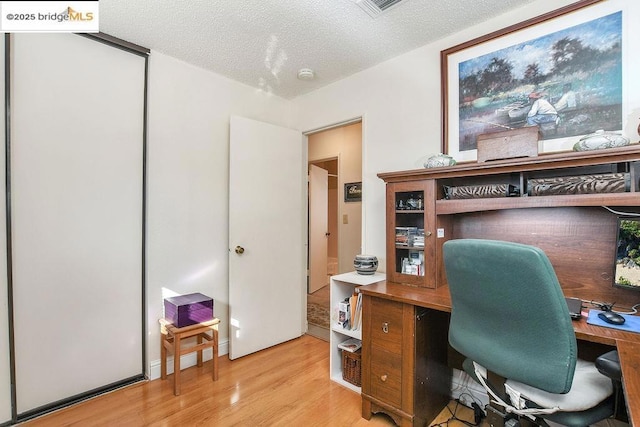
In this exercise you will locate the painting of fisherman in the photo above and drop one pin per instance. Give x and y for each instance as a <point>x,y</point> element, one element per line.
<point>567,81</point>
<point>541,111</point>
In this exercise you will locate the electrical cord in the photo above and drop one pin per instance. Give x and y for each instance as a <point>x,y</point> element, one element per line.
<point>478,414</point>
<point>634,310</point>
<point>605,306</point>
<point>621,213</point>
<point>475,402</point>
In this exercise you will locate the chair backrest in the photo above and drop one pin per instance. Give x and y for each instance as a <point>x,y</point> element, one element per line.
<point>509,313</point>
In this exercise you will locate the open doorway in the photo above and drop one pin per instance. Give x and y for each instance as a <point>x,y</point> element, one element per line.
<point>337,154</point>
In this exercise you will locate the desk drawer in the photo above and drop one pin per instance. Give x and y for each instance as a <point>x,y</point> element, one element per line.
<point>386,325</point>
<point>386,376</point>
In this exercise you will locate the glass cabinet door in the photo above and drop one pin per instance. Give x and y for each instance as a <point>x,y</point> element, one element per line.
<point>410,222</point>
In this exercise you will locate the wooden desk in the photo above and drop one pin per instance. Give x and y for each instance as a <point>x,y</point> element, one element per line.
<point>629,353</point>
<point>627,343</point>
<point>171,341</point>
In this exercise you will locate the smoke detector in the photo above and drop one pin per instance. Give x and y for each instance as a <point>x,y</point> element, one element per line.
<point>375,7</point>
<point>306,74</point>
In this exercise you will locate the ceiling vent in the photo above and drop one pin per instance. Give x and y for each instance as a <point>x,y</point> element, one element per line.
<point>375,7</point>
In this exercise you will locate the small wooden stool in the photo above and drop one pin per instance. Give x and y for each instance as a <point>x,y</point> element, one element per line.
<point>170,339</point>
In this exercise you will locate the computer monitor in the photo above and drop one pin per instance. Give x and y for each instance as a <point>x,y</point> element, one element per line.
<point>627,258</point>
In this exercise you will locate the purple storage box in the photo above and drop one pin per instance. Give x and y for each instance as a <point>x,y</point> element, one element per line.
<point>185,310</point>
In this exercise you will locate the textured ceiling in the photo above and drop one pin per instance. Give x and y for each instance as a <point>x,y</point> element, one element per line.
<point>263,43</point>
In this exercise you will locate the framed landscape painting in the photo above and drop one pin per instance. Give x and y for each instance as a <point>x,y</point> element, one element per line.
<point>562,72</point>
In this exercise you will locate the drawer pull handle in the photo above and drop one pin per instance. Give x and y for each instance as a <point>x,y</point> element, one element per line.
<point>383,378</point>
<point>385,327</point>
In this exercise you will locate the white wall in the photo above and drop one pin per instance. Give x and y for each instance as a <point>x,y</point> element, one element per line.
<point>400,100</point>
<point>187,182</point>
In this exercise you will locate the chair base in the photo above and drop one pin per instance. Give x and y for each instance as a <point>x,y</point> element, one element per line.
<point>575,419</point>
<point>495,417</point>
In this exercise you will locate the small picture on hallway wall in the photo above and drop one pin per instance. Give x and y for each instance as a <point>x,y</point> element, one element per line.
<point>561,71</point>
<point>353,192</point>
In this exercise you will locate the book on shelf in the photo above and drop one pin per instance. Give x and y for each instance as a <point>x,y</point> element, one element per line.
<point>351,345</point>
<point>350,312</point>
<point>344,314</point>
<point>357,318</point>
<point>355,301</point>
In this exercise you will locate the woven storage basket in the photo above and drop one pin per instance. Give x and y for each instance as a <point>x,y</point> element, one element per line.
<point>351,367</point>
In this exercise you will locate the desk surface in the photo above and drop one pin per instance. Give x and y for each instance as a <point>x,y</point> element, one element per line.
<point>627,343</point>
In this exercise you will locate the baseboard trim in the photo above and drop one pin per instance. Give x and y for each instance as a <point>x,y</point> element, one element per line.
<point>318,332</point>
<point>187,360</point>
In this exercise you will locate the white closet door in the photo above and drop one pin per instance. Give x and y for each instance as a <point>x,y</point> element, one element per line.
<point>76,213</point>
<point>5,367</point>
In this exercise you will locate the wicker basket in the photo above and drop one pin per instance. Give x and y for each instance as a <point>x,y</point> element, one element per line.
<point>351,367</point>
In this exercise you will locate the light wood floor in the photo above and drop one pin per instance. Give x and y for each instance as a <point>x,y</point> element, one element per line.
<point>286,385</point>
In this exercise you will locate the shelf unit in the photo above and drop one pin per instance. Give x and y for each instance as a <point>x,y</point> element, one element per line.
<point>561,220</point>
<point>342,286</point>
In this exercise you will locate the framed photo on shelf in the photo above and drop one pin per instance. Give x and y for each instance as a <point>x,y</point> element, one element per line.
<point>353,192</point>
<point>561,71</point>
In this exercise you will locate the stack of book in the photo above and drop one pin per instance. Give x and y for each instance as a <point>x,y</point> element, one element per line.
<point>404,235</point>
<point>350,312</point>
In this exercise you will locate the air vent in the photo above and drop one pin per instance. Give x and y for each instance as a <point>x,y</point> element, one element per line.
<point>375,7</point>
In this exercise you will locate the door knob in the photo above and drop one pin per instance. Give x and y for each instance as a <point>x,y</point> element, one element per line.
<point>385,327</point>
<point>239,250</point>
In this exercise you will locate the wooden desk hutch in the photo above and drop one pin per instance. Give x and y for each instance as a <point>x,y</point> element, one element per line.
<point>406,359</point>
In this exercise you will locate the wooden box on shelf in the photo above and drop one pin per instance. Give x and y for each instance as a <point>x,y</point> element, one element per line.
<point>508,144</point>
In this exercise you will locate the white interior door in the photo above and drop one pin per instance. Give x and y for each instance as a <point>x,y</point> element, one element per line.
<point>267,233</point>
<point>318,227</point>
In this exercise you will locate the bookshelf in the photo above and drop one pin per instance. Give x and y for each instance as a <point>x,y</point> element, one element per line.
<point>342,286</point>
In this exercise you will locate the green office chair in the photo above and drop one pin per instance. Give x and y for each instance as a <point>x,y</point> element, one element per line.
<point>510,320</point>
